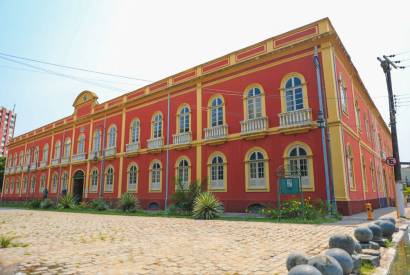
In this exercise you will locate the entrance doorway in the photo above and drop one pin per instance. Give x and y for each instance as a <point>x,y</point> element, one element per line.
<point>78,186</point>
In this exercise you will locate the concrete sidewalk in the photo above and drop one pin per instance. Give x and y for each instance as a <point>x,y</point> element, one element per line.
<point>361,218</point>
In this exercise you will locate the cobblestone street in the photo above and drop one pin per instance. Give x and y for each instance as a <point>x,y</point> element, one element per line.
<point>71,243</point>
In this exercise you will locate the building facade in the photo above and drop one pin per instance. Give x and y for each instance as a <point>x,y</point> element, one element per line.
<point>235,124</point>
<point>7,125</point>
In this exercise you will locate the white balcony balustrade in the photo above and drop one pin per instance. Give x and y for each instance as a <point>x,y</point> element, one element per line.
<point>17,169</point>
<point>6,170</point>
<point>155,143</point>
<point>26,168</point>
<point>297,118</point>
<point>109,152</point>
<point>55,161</point>
<point>254,125</point>
<point>43,164</point>
<point>94,155</point>
<point>182,138</point>
<point>132,147</point>
<point>216,132</point>
<point>33,166</point>
<point>65,160</point>
<point>79,157</point>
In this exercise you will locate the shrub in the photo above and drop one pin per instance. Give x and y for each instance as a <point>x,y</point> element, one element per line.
<point>129,202</point>
<point>99,204</point>
<point>6,241</point>
<point>46,203</point>
<point>83,205</point>
<point>34,204</point>
<point>207,206</point>
<point>67,201</point>
<point>184,197</point>
<point>294,209</point>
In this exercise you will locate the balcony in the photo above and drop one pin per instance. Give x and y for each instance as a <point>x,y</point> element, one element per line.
<point>94,155</point>
<point>297,118</point>
<point>26,168</point>
<point>6,170</point>
<point>55,161</point>
<point>65,160</point>
<point>33,166</point>
<point>43,164</point>
<point>16,169</point>
<point>79,157</point>
<point>132,147</point>
<point>110,152</point>
<point>182,138</point>
<point>255,125</point>
<point>155,143</point>
<point>217,132</point>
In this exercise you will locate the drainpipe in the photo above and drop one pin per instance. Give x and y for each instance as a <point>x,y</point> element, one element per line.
<point>167,152</point>
<point>322,125</point>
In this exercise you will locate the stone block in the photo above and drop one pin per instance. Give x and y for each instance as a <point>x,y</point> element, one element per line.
<point>373,260</point>
<point>357,264</point>
<point>370,245</point>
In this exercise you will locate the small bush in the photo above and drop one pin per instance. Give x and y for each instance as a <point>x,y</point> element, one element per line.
<point>34,204</point>
<point>46,203</point>
<point>67,201</point>
<point>99,204</point>
<point>129,202</point>
<point>6,241</point>
<point>207,206</point>
<point>295,209</point>
<point>83,205</point>
<point>184,197</point>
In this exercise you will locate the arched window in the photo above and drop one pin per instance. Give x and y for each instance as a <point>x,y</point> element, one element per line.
<point>217,173</point>
<point>97,141</point>
<point>135,131</point>
<point>254,103</point>
<point>64,182</point>
<point>112,136</point>
<point>6,186</point>
<point>17,185</point>
<point>54,183</point>
<point>36,154</point>
<point>21,158</point>
<point>373,175</point>
<point>343,94</point>
<point>15,159</point>
<point>157,126</point>
<point>12,186</point>
<point>42,183</point>
<point>132,177</point>
<point>57,150</point>
<point>67,147</point>
<point>350,169</point>
<point>357,111</point>
<point>94,180</point>
<point>298,164</point>
<point>25,183</point>
<point>155,177</point>
<point>28,157</point>
<point>216,112</point>
<point>183,120</point>
<point>33,185</point>
<point>294,94</point>
<point>81,144</point>
<point>109,181</point>
<point>183,174</point>
<point>256,171</point>
<point>45,153</point>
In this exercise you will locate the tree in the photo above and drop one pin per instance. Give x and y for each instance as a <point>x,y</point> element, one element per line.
<point>2,165</point>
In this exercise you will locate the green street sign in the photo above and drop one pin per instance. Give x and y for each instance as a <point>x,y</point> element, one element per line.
<point>289,186</point>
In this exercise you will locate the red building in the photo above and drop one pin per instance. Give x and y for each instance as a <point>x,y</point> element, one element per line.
<point>233,122</point>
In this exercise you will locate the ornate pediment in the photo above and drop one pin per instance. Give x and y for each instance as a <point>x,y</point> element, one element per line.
<point>85,97</point>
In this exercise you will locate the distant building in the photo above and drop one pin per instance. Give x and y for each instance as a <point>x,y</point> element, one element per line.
<point>7,124</point>
<point>236,123</point>
<point>405,175</point>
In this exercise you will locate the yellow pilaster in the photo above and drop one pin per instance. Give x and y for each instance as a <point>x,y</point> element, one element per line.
<point>71,156</point>
<point>50,157</point>
<point>87,178</point>
<point>335,129</point>
<point>122,137</point>
<point>199,131</point>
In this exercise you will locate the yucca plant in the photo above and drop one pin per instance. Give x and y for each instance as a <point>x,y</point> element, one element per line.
<point>129,202</point>
<point>46,203</point>
<point>99,204</point>
<point>66,201</point>
<point>207,207</point>
<point>34,204</point>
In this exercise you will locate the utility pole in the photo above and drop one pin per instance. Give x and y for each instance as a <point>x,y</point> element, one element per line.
<point>386,64</point>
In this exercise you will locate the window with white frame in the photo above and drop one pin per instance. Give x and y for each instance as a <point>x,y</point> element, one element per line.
<point>36,154</point>
<point>28,157</point>
<point>33,184</point>
<point>184,120</point>
<point>157,126</point>
<point>42,183</point>
<point>15,159</point>
<point>155,176</point>
<point>57,150</point>
<point>217,173</point>
<point>94,180</point>
<point>81,144</point>
<point>257,177</point>
<point>97,141</point>
<point>132,178</point>
<point>67,147</point>
<point>254,103</point>
<point>45,153</point>
<point>17,185</point>
<point>12,186</point>
<point>64,181</point>
<point>109,181</point>
<point>217,112</point>
<point>350,171</point>
<point>135,131</point>
<point>294,94</point>
<point>21,158</point>
<point>298,164</point>
<point>112,136</point>
<point>25,183</point>
<point>343,96</point>
<point>54,183</point>
<point>183,174</point>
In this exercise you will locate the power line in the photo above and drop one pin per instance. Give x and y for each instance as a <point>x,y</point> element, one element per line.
<point>400,53</point>
<point>73,68</point>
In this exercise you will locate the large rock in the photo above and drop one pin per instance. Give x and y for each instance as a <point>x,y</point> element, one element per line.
<point>342,241</point>
<point>327,265</point>
<point>376,230</point>
<point>304,269</point>
<point>363,234</point>
<point>390,219</point>
<point>357,247</point>
<point>296,258</point>
<point>387,228</point>
<point>344,259</point>
<point>357,264</point>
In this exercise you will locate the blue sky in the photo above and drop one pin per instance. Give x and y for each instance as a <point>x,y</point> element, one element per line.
<point>154,39</point>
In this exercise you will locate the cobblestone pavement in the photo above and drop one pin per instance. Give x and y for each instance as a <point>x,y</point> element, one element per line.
<point>72,243</point>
